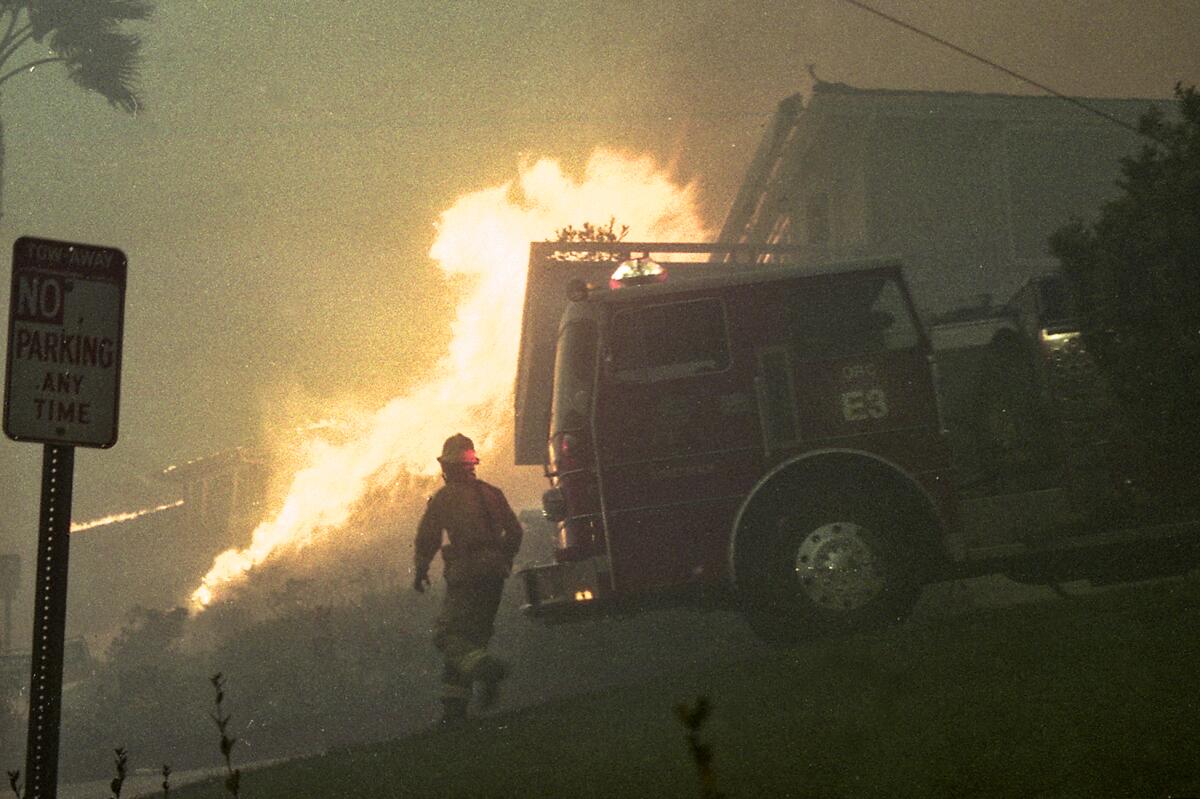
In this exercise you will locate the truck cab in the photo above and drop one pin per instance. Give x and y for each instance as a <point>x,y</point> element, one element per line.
<point>680,405</point>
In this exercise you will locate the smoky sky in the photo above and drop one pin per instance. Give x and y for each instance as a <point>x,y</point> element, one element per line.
<point>279,193</point>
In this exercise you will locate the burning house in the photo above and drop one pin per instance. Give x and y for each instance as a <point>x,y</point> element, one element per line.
<point>964,188</point>
<point>150,556</point>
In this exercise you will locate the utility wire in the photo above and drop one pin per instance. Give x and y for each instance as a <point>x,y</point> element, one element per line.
<point>963,51</point>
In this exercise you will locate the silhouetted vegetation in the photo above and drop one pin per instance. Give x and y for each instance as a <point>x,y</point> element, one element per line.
<point>693,717</point>
<point>144,693</point>
<point>312,677</point>
<point>86,38</point>
<point>1137,272</point>
<point>121,767</point>
<point>233,776</point>
<point>589,232</point>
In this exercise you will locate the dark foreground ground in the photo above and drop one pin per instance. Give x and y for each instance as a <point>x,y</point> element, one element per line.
<point>1095,695</point>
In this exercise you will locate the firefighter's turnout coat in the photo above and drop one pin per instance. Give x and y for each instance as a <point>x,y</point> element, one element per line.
<point>482,532</point>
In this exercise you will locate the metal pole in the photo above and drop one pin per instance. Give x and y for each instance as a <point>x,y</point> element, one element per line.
<point>49,623</point>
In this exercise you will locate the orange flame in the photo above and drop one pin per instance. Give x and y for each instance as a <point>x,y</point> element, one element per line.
<point>484,235</point>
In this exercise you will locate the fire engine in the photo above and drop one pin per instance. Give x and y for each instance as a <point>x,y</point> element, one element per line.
<point>733,426</point>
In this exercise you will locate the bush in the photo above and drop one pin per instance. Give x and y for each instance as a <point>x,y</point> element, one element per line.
<point>1137,273</point>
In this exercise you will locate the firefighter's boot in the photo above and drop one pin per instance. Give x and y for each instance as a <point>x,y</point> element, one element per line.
<point>488,675</point>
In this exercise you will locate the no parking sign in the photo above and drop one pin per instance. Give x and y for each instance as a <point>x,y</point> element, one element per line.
<point>66,315</point>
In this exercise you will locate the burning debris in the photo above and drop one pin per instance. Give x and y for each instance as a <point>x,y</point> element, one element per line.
<point>126,516</point>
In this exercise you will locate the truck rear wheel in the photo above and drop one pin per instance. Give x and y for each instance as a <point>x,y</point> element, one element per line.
<point>838,565</point>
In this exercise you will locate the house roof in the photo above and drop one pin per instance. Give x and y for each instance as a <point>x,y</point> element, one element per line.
<point>1004,107</point>
<point>214,463</point>
<point>798,121</point>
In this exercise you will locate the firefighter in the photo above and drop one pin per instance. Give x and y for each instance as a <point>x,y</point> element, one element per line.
<point>483,536</point>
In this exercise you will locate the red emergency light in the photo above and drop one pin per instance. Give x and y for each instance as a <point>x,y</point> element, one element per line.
<point>637,272</point>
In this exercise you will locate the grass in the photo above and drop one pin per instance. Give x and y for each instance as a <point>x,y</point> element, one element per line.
<point>1093,696</point>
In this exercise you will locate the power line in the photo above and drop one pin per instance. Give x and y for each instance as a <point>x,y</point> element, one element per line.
<point>963,51</point>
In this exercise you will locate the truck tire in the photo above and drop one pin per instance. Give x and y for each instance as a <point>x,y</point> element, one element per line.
<point>840,563</point>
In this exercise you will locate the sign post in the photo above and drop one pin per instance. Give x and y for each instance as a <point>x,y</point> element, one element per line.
<point>62,384</point>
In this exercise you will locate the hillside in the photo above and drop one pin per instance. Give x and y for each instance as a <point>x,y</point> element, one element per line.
<point>1086,696</point>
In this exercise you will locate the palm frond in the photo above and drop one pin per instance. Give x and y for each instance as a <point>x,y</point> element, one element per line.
<point>86,35</point>
<point>107,64</point>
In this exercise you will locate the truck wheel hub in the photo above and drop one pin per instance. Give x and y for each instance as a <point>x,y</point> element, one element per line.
<point>836,567</point>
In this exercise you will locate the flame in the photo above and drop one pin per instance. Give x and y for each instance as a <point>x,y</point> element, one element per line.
<point>78,527</point>
<point>485,236</point>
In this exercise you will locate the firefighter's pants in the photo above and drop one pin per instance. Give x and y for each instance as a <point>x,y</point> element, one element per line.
<point>462,631</point>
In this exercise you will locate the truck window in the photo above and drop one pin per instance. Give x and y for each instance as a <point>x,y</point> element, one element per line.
<point>843,319</point>
<point>669,341</point>
<point>574,373</point>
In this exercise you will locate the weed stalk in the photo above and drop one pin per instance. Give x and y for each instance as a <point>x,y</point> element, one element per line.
<point>693,718</point>
<point>233,776</point>
<point>121,763</point>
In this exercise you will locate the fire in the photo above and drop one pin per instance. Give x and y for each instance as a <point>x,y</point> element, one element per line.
<point>79,527</point>
<point>485,236</point>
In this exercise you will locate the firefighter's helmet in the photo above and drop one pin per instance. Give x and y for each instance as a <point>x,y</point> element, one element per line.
<point>458,449</point>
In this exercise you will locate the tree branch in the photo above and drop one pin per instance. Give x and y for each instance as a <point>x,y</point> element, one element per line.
<point>30,65</point>
<point>8,47</point>
<point>12,24</point>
